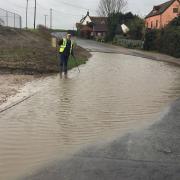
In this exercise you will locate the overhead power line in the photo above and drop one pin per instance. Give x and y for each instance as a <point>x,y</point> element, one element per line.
<point>78,15</point>
<point>27,8</point>
<point>58,11</point>
<point>73,5</point>
<point>77,6</point>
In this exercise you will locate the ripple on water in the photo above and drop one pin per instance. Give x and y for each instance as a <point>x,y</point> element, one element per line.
<point>114,94</point>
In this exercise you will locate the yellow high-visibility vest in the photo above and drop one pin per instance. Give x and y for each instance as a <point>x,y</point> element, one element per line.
<point>63,46</point>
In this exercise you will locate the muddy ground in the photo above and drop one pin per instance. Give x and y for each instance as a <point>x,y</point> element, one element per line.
<point>26,55</point>
<point>10,85</point>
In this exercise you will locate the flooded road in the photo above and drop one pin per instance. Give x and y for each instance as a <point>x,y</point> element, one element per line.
<point>114,94</point>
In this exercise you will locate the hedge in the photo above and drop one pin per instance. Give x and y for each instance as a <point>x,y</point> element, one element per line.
<point>166,40</point>
<point>128,43</point>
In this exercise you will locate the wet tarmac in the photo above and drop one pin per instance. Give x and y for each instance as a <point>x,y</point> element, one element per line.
<point>114,94</point>
<point>148,154</point>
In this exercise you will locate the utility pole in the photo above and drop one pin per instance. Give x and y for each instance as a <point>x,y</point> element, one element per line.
<point>27,14</point>
<point>14,20</point>
<point>51,18</point>
<point>7,18</point>
<point>35,15</point>
<point>45,19</point>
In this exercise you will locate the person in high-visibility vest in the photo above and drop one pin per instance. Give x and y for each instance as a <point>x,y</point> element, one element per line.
<point>65,50</point>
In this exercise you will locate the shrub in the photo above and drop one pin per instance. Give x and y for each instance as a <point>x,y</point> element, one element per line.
<point>170,41</point>
<point>136,26</point>
<point>134,22</point>
<point>165,40</point>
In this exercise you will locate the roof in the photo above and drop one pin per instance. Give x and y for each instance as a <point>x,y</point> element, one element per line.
<point>86,28</point>
<point>160,9</point>
<point>82,20</point>
<point>98,20</point>
<point>100,28</point>
<point>99,23</point>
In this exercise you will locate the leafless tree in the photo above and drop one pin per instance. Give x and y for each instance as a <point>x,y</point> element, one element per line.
<point>107,7</point>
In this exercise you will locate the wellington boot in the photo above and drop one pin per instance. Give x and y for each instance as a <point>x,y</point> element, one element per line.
<point>66,76</point>
<point>60,75</point>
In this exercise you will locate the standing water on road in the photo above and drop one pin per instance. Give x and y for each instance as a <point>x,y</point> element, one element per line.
<point>112,95</point>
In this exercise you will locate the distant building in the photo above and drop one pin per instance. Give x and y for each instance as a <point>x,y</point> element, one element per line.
<point>163,14</point>
<point>91,26</point>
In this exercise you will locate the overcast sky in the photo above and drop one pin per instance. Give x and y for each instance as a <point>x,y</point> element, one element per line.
<point>67,12</point>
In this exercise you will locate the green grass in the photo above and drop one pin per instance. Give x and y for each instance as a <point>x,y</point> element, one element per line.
<point>72,62</point>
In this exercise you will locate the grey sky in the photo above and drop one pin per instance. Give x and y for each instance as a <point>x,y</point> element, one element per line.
<point>65,15</point>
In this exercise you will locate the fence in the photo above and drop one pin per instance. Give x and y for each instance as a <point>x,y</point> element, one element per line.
<point>128,43</point>
<point>10,19</point>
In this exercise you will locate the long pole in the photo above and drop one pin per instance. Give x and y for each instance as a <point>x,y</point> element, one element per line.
<point>51,18</point>
<point>76,63</point>
<point>27,14</point>
<point>20,22</point>
<point>35,15</point>
<point>6,18</point>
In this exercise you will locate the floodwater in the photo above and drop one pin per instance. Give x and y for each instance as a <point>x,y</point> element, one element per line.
<point>114,94</point>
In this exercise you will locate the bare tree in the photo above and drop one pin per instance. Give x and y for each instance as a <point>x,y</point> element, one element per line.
<point>107,7</point>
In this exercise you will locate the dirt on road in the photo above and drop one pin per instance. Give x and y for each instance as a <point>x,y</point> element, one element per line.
<point>10,85</point>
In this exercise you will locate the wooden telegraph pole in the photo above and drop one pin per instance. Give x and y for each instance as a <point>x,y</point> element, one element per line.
<point>35,15</point>
<point>51,18</point>
<point>27,14</point>
<point>45,19</point>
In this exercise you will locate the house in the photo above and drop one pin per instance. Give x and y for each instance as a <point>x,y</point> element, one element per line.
<point>91,26</point>
<point>162,14</point>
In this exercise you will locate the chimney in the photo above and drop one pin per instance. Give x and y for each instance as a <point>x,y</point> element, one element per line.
<point>87,13</point>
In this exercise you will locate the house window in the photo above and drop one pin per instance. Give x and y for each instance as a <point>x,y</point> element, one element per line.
<point>157,23</point>
<point>102,22</point>
<point>154,11</point>
<point>99,34</point>
<point>151,24</point>
<point>175,10</point>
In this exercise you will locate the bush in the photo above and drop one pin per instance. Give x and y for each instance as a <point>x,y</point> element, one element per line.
<point>137,27</point>
<point>170,41</point>
<point>166,40</point>
<point>151,38</point>
<point>100,39</point>
<point>134,22</point>
<point>175,22</point>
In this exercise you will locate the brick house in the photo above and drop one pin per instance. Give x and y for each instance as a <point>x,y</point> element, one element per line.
<point>91,26</point>
<point>162,14</point>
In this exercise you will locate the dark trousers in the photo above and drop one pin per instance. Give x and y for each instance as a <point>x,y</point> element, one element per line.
<point>63,63</point>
